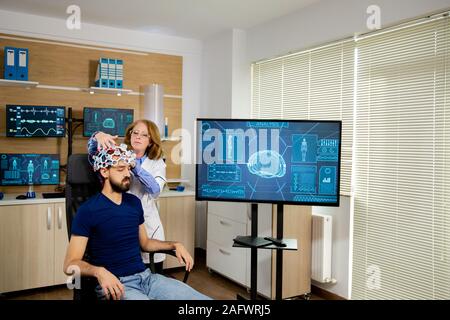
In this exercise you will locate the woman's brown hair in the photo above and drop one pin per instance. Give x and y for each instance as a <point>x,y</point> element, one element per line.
<point>154,149</point>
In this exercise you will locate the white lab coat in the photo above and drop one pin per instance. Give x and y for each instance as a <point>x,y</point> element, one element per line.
<point>155,230</point>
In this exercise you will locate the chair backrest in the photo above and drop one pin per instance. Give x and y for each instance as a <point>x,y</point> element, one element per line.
<point>81,184</point>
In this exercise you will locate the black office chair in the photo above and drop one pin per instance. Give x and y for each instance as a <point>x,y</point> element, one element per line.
<point>81,184</point>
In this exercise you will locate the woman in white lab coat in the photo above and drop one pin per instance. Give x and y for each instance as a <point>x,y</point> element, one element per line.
<point>149,173</point>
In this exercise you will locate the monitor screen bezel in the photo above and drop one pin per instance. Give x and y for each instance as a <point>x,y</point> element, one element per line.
<point>84,117</point>
<point>334,204</point>
<point>36,184</point>
<point>8,135</point>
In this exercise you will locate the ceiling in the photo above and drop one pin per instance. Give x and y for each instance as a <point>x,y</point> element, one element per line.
<point>196,19</point>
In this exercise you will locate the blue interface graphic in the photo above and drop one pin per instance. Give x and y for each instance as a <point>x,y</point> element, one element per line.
<point>268,161</point>
<point>35,121</point>
<point>26,169</point>
<point>111,121</point>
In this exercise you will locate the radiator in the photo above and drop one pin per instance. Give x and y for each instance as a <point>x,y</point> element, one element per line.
<point>321,248</point>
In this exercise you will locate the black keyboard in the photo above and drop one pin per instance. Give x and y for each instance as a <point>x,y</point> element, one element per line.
<point>53,195</point>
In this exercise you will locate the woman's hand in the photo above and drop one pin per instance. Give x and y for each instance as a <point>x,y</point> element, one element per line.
<point>105,140</point>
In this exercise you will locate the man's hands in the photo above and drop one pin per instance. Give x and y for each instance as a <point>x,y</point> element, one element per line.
<point>105,140</point>
<point>183,256</point>
<point>111,286</point>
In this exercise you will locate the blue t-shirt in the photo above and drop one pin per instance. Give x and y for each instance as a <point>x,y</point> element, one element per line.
<point>113,232</point>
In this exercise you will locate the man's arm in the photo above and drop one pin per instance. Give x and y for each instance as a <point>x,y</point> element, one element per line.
<point>74,257</point>
<point>150,245</point>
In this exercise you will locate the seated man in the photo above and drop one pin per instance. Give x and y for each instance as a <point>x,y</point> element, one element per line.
<point>113,222</point>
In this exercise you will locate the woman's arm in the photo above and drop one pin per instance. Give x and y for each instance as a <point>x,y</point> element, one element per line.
<point>153,184</point>
<point>101,139</point>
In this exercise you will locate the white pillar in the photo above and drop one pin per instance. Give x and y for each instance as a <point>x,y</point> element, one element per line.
<point>154,105</point>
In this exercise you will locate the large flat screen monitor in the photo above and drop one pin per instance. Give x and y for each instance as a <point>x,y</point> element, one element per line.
<point>108,120</point>
<point>268,161</point>
<point>25,169</point>
<point>35,121</point>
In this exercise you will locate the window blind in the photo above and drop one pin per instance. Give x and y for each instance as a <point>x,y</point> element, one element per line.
<point>312,85</point>
<point>401,239</point>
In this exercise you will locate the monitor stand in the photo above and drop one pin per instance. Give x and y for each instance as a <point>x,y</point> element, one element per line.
<point>275,244</point>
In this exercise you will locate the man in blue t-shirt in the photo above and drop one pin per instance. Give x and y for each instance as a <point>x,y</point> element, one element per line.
<point>113,222</point>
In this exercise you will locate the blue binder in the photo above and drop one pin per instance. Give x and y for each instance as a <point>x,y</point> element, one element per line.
<point>21,64</point>
<point>119,74</point>
<point>101,77</point>
<point>10,63</point>
<point>112,73</point>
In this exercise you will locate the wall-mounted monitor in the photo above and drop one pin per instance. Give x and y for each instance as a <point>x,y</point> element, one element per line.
<point>35,121</point>
<point>25,169</point>
<point>108,120</point>
<point>268,161</point>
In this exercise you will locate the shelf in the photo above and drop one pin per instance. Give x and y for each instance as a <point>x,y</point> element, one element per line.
<point>177,180</point>
<point>171,139</point>
<point>115,91</point>
<point>18,83</point>
<point>34,84</point>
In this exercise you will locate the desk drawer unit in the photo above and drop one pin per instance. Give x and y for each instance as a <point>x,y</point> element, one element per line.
<point>222,230</point>
<point>230,262</point>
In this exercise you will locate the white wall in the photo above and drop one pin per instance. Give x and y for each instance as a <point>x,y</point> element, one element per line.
<point>241,76</point>
<point>217,76</point>
<point>329,20</point>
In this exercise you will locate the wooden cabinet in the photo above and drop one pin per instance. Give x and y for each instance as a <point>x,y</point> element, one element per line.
<point>296,264</point>
<point>33,241</point>
<point>226,220</point>
<point>177,215</point>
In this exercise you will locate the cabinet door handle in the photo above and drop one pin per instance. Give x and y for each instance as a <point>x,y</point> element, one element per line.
<point>59,218</point>
<point>224,223</point>
<point>224,252</point>
<point>49,218</point>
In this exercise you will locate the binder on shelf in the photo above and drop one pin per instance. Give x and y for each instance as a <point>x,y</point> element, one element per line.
<point>101,77</point>
<point>119,74</point>
<point>112,73</point>
<point>10,63</point>
<point>21,64</point>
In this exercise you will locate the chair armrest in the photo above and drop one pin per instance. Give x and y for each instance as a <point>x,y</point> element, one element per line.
<point>169,252</point>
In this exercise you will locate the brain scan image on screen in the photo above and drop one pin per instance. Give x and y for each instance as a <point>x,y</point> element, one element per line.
<point>267,164</point>
<point>274,161</point>
<point>109,120</point>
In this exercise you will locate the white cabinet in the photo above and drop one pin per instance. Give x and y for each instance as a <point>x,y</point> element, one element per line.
<point>226,220</point>
<point>33,242</point>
